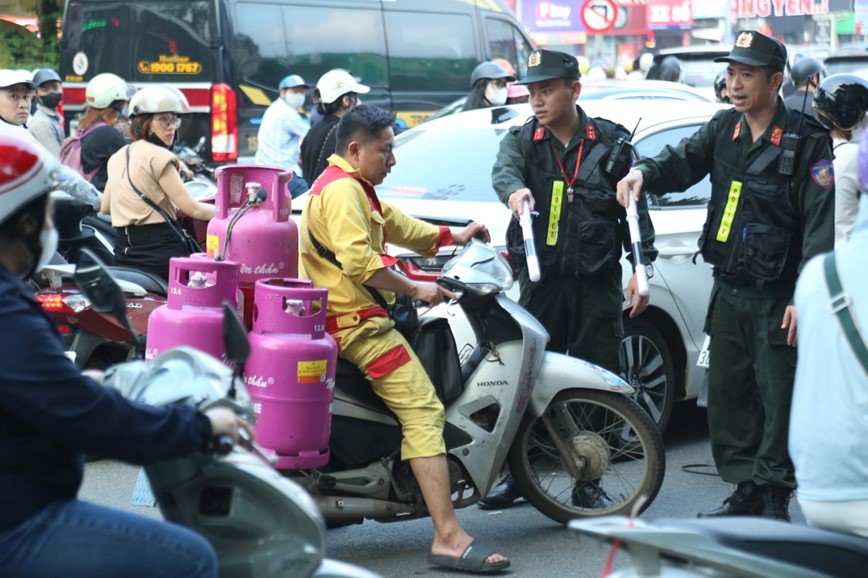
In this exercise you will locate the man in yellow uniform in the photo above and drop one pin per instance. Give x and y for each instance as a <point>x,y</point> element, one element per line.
<point>350,227</point>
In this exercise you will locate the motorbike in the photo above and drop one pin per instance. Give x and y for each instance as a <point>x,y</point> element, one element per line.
<point>728,547</point>
<point>260,523</point>
<point>568,429</point>
<point>94,340</point>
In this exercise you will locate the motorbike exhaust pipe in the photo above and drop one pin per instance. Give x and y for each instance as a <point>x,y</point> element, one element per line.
<point>349,508</point>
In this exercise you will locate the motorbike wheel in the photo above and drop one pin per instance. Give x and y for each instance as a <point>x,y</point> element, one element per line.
<point>617,449</point>
<point>650,370</point>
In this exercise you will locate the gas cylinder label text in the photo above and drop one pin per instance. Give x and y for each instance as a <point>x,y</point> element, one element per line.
<point>312,371</point>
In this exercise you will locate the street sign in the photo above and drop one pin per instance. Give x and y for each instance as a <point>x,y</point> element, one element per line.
<point>599,15</point>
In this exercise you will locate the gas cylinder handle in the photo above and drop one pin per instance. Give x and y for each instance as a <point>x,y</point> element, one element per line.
<point>281,204</point>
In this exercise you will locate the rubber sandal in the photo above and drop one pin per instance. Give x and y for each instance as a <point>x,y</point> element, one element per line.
<point>471,560</point>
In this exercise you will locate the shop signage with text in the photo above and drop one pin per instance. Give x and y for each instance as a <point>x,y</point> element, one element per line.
<point>766,8</point>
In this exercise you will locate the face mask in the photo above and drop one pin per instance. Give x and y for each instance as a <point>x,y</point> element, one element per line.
<point>51,100</point>
<point>48,239</point>
<point>33,102</point>
<point>293,101</point>
<point>496,96</point>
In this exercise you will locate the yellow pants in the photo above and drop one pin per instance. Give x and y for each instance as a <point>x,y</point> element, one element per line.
<point>398,377</point>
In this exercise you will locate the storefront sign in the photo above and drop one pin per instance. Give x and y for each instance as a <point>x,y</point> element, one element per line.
<point>551,17</point>
<point>766,8</point>
<point>664,14</point>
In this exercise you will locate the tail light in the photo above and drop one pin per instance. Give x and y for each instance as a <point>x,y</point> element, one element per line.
<point>224,124</point>
<point>60,303</point>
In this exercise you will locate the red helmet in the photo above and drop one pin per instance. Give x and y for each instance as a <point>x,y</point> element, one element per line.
<point>26,172</point>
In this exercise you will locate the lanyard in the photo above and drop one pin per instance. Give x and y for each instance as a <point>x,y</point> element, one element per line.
<point>568,181</point>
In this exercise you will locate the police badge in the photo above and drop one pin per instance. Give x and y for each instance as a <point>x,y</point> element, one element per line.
<point>535,59</point>
<point>744,40</point>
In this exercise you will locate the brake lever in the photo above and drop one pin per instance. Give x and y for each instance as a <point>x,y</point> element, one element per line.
<point>248,444</point>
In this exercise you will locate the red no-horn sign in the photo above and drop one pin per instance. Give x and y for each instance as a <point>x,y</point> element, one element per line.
<point>599,15</point>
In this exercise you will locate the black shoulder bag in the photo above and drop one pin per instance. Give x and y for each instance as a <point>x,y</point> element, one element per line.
<point>189,242</point>
<point>403,313</point>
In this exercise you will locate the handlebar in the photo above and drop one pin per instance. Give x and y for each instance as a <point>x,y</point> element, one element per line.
<point>222,445</point>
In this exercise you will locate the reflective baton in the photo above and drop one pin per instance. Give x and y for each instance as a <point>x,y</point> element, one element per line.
<point>636,240</point>
<point>529,248</point>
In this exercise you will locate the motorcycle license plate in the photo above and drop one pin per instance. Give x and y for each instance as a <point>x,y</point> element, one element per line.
<point>70,355</point>
<point>702,360</point>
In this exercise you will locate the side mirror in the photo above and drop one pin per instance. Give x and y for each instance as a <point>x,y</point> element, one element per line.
<point>97,284</point>
<point>105,295</point>
<point>235,343</point>
<point>235,340</point>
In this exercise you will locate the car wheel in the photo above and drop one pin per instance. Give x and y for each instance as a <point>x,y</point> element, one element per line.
<point>649,369</point>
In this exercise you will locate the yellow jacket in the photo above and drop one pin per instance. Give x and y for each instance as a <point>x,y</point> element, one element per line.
<point>346,217</point>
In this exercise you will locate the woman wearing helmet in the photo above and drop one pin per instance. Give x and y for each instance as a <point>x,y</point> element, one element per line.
<point>51,415</point>
<point>106,101</point>
<point>144,171</point>
<point>336,92</point>
<point>488,86</point>
<point>840,103</point>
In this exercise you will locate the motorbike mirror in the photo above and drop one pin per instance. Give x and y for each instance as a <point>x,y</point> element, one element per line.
<point>105,295</point>
<point>235,343</point>
<point>97,284</point>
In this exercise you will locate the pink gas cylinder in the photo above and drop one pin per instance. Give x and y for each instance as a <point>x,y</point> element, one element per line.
<point>290,373</point>
<point>263,240</point>
<point>193,313</point>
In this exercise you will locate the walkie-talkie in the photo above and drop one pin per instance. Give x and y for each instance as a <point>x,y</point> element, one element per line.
<point>621,156</point>
<point>789,147</point>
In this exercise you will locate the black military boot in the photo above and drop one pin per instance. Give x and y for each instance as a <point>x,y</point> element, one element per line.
<point>776,503</point>
<point>500,496</point>
<point>746,500</point>
<point>591,496</point>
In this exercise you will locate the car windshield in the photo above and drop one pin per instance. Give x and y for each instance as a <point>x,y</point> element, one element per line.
<point>429,168</point>
<point>846,64</point>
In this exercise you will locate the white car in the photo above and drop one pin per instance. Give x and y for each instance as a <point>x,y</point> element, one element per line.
<point>443,175</point>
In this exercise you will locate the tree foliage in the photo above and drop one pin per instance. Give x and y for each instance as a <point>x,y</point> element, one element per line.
<point>20,48</point>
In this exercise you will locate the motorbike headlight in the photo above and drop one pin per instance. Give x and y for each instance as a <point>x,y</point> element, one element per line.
<point>482,267</point>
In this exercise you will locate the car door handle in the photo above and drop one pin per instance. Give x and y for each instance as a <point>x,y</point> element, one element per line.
<point>676,250</point>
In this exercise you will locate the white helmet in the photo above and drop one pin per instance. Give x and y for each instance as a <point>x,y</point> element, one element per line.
<point>103,89</point>
<point>335,83</point>
<point>157,99</point>
<point>26,172</point>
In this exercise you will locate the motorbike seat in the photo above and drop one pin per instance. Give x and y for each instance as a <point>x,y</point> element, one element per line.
<point>352,381</point>
<point>833,553</point>
<point>147,281</point>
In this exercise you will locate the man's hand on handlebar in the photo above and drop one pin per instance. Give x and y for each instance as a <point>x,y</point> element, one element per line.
<point>472,231</point>
<point>431,293</point>
<point>224,421</point>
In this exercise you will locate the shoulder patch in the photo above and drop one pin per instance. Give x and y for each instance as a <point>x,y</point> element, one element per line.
<point>822,173</point>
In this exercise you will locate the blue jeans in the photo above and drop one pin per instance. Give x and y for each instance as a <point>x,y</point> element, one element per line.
<point>76,539</point>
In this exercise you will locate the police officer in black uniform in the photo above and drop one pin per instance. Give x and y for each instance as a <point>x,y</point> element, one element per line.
<point>558,162</point>
<point>771,210</point>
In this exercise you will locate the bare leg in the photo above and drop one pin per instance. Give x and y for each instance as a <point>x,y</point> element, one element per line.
<point>450,539</point>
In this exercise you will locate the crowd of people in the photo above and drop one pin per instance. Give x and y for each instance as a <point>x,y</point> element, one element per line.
<point>769,221</point>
